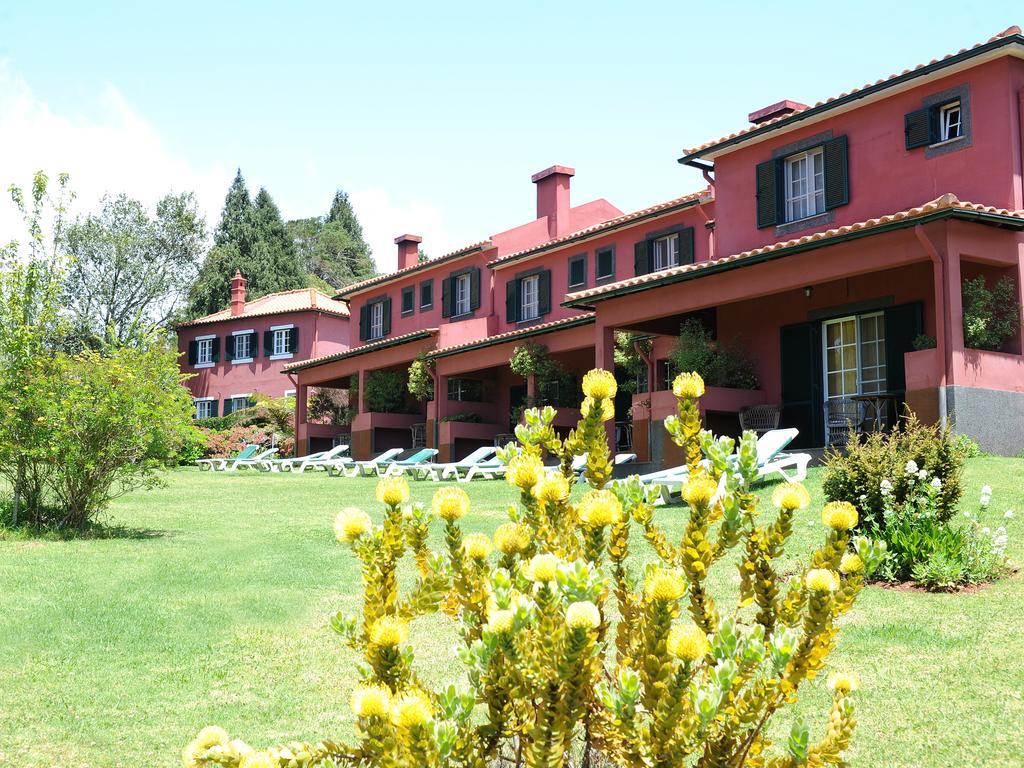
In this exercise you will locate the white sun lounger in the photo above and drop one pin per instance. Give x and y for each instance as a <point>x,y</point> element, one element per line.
<point>451,470</point>
<point>348,468</point>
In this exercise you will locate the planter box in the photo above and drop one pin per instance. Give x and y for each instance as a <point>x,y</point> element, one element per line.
<point>923,369</point>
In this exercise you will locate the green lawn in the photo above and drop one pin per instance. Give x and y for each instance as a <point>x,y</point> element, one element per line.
<point>213,608</point>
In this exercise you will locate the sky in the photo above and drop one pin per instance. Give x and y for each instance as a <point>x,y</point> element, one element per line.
<point>432,117</point>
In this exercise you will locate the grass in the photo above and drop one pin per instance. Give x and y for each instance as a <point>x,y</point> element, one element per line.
<point>212,606</point>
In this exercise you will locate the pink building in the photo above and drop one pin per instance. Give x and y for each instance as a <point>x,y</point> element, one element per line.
<point>832,241</point>
<point>243,350</point>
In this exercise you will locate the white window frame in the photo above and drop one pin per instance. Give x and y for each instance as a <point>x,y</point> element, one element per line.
<point>248,336</point>
<point>667,256</point>
<point>810,200</point>
<point>205,401</point>
<point>376,321</point>
<point>244,396</point>
<point>200,363</point>
<point>529,298</point>
<point>280,331</point>
<point>880,368</point>
<point>290,393</point>
<point>461,299</point>
<point>947,124</point>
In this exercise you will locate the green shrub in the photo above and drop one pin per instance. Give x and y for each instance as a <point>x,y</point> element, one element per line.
<point>924,341</point>
<point>719,364</point>
<point>991,317</point>
<point>421,382</point>
<point>385,391</point>
<point>969,447</point>
<point>194,446</point>
<point>465,416</point>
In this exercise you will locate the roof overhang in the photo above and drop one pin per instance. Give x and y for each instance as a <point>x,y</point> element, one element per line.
<point>363,349</point>
<point>376,282</point>
<point>504,338</point>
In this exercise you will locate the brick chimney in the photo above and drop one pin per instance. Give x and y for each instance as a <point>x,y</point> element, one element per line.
<point>408,250</point>
<point>778,109</point>
<point>238,294</point>
<point>553,198</point>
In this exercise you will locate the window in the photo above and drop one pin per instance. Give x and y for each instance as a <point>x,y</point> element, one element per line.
<point>240,402</point>
<point>805,184</point>
<point>243,347</point>
<point>377,320</point>
<point>206,407</point>
<point>578,271</point>
<point>529,298</point>
<point>665,252</point>
<point>854,356</point>
<point>462,294</point>
<point>426,294</point>
<point>204,351</point>
<point>950,122</point>
<point>470,390</point>
<point>282,337</point>
<point>408,300</point>
<point>605,268</point>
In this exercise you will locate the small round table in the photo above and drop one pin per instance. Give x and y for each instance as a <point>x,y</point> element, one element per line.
<point>879,403</point>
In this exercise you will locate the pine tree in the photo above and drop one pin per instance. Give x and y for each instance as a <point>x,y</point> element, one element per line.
<point>332,248</point>
<point>236,218</point>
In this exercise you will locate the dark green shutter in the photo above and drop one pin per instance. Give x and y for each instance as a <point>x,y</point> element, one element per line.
<point>229,346</point>
<point>408,299</point>
<point>192,352</point>
<point>801,383</point>
<point>364,322</point>
<point>474,289</point>
<point>213,408</point>
<point>215,344</point>
<point>605,267</point>
<point>387,316</point>
<point>254,345</point>
<point>836,164</point>
<point>293,340</point>
<point>686,246</point>
<point>919,127</point>
<point>544,292</point>
<point>903,323</point>
<point>769,193</point>
<point>642,257</point>
<point>447,289</point>
<point>512,301</point>
<point>268,343</point>
<point>227,406</point>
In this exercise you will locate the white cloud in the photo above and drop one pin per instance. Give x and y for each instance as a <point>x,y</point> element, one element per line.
<point>383,219</point>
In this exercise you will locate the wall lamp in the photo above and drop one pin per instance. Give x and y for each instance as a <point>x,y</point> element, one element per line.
<point>808,291</point>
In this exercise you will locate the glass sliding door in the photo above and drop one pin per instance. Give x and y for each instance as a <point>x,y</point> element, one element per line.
<point>854,364</point>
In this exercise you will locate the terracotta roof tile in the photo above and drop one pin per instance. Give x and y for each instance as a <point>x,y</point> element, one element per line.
<point>1009,32</point>
<point>510,335</point>
<point>362,349</point>
<point>279,303</point>
<point>694,197</point>
<point>369,282</point>
<point>946,202</point>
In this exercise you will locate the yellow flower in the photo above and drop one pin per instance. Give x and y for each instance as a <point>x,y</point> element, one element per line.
<point>240,748</point>
<point>351,523</point>
<point>839,515</point>
<point>600,508</point>
<point>212,736</point>
<point>450,503</point>
<point>851,563</point>
<point>524,470</point>
<point>665,584</point>
<point>371,701</point>
<point>411,709</point>
<point>790,496</point>
<point>499,621</point>
<point>258,760</point>
<point>688,385</point>
<point>821,580</point>
<point>607,408</point>
<point>843,682</point>
<point>583,615</point>
<point>477,545</point>
<point>699,490</point>
<point>542,567</point>
<point>389,631</point>
<point>392,491</point>
<point>511,538</point>
<point>552,487</point>
<point>687,642</point>
<point>599,383</point>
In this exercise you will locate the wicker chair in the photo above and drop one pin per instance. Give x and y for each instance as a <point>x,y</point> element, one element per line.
<point>759,418</point>
<point>844,420</point>
<point>419,436</point>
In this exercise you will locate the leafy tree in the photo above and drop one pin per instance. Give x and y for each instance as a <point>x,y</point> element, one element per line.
<point>332,248</point>
<point>131,272</point>
<point>251,237</point>
<point>991,317</point>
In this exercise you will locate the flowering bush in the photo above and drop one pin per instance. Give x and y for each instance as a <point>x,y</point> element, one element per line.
<point>566,654</point>
<point>228,442</point>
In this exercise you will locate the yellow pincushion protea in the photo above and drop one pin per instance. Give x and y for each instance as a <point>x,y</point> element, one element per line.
<point>524,471</point>
<point>687,642</point>
<point>542,567</point>
<point>598,383</point>
<point>211,736</point>
<point>607,408</point>
<point>551,488</point>
<point>664,584</point>
<point>499,621</point>
<point>371,701</point>
<point>839,515</point>
<point>843,682</point>
<point>411,709</point>
<point>821,580</point>
<point>851,563</point>
<point>389,631</point>
<point>791,496</point>
<point>392,491</point>
<point>699,490</point>
<point>583,615</point>
<point>258,760</point>
<point>511,538</point>
<point>351,523</point>
<point>450,503</point>
<point>600,508</point>
<point>688,385</point>
<point>477,546</point>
